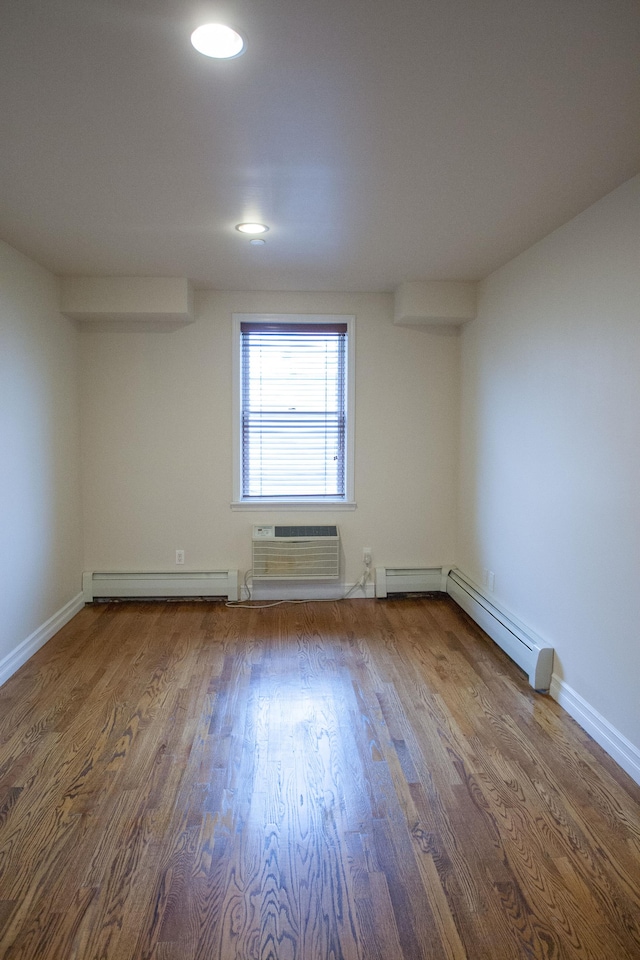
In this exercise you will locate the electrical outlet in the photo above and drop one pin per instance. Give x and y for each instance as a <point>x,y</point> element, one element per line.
<point>491,580</point>
<point>366,556</point>
<point>179,556</point>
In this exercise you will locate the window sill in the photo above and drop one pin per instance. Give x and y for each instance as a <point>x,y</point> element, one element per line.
<point>308,505</point>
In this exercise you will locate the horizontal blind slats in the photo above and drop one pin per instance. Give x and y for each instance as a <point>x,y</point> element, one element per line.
<point>293,409</point>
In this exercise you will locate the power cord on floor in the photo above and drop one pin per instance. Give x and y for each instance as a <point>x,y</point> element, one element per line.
<point>248,605</point>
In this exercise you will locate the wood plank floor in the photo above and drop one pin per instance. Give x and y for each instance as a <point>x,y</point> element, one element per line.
<point>365,779</point>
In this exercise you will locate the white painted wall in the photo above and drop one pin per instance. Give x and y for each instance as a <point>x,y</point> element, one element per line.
<point>157,439</point>
<point>550,451</point>
<point>41,555</point>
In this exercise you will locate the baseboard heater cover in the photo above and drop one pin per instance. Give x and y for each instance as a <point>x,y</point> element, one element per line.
<point>219,583</point>
<point>527,650</point>
<point>391,580</point>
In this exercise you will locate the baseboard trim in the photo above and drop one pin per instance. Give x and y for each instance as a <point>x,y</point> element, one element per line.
<point>18,656</point>
<point>605,734</point>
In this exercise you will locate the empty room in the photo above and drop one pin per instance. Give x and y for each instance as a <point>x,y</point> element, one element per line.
<point>319,486</point>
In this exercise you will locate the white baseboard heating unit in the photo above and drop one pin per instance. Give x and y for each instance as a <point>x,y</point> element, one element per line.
<point>220,583</point>
<point>527,650</point>
<point>391,580</point>
<point>295,553</point>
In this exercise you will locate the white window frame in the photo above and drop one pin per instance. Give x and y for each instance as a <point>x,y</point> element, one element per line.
<point>303,503</point>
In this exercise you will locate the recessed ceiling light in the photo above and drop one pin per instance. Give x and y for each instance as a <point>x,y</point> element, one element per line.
<point>217,40</point>
<point>257,242</point>
<point>251,227</point>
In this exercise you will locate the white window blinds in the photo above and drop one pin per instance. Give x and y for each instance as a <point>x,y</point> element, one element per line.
<point>293,410</point>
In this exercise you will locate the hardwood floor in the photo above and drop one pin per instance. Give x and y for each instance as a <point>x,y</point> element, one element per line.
<point>365,779</point>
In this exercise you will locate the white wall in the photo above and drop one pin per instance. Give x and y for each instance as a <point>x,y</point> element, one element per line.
<point>550,451</point>
<point>41,555</point>
<point>157,439</point>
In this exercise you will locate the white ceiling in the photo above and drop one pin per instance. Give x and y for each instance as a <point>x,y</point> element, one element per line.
<point>382,142</point>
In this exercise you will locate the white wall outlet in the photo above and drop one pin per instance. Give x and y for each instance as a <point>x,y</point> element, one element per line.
<point>366,556</point>
<point>179,556</point>
<point>491,580</point>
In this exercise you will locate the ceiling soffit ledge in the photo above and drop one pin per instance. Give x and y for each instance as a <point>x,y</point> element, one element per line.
<point>434,303</point>
<point>127,299</point>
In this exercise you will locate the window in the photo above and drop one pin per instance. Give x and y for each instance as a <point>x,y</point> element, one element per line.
<point>294,420</point>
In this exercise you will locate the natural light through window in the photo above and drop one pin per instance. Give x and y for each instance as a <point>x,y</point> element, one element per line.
<point>294,406</point>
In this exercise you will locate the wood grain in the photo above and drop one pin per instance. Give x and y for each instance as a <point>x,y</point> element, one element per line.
<point>362,780</point>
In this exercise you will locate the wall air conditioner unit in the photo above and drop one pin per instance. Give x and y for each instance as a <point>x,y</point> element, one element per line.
<point>296,553</point>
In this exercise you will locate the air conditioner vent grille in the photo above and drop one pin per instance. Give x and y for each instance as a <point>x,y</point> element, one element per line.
<point>296,553</point>
<point>306,531</point>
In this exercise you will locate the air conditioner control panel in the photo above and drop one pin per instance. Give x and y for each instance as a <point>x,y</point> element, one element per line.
<point>264,532</point>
